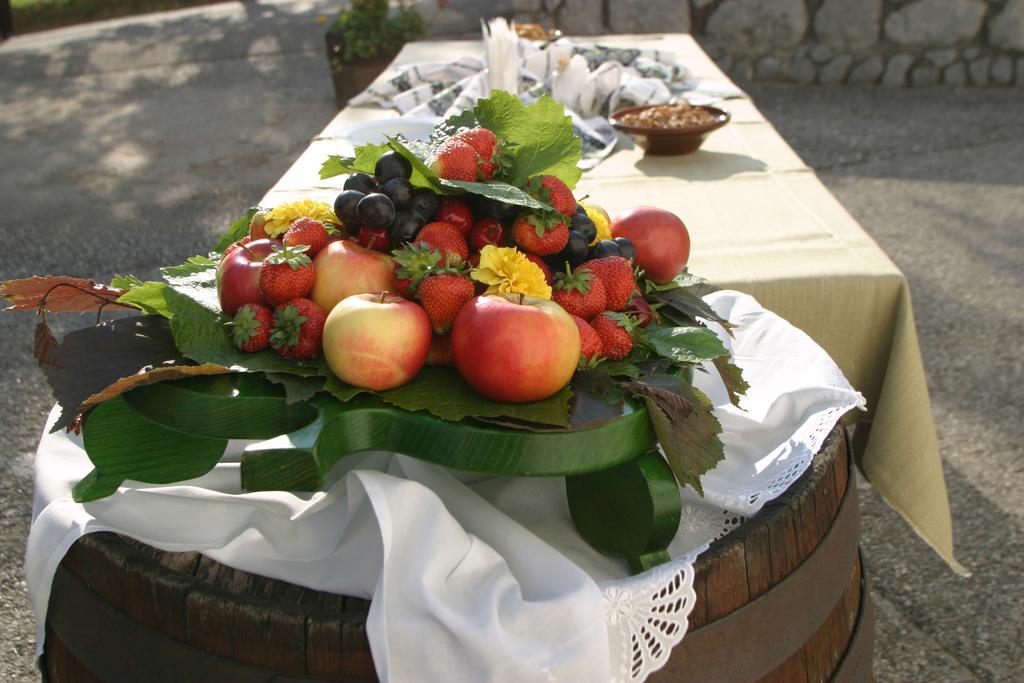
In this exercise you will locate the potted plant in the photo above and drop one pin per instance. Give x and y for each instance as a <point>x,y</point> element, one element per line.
<point>362,41</point>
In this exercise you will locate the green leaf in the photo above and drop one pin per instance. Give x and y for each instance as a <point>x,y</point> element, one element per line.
<point>125,282</point>
<point>596,398</point>
<point>451,125</point>
<point>539,137</point>
<point>363,162</point>
<point>687,428</point>
<point>619,368</point>
<point>630,511</point>
<point>122,444</point>
<point>684,279</point>
<point>149,297</point>
<point>237,231</point>
<point>196,279</point>
<point>732,377</point>
<point>297,389</point>
<point>192,266</point>
<point>442,392</point>
<point>682,306</point>
<point>235,406</point>
<point>501,191</point>
<point>422,175</point>
<point>685,344</point>
<point>201,334</point>
<point>341,390</point>
<point>301,459</point>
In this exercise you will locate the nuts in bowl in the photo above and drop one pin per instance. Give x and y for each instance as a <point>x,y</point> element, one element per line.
<point>669,128</point>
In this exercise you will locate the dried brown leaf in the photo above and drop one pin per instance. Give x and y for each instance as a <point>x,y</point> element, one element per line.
<point>62,294</point>
<point>45,344</point>
<point>151,377</point>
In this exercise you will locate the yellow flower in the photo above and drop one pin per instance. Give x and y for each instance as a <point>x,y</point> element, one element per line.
<point>506,270</point>
<point>280,218</point>
<point>604,231</point>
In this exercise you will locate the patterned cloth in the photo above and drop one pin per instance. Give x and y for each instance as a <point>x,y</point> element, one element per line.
<point>591,80</point>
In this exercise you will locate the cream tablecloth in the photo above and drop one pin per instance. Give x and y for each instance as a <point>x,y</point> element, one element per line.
<point>762,223</point>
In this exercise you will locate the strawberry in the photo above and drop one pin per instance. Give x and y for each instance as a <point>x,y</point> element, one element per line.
<point>455,160</point>
<point>298,329</point>
<point>580,293</point>
<point>613,330</point>
<point>286,274</point>
<point>617,276</point>
<point>446,239</point>
<point>544,268</point>
<point>308,231</point>
<point>540,235</point>
<point>487,169</point>
<point>250,329</point>
<point>486,231</point>
<point>590,343</point>
<point>443,296</point>
<point>550,189</point>
<point>485,144</point>
<point>412,263</point>
<point>441,351</point>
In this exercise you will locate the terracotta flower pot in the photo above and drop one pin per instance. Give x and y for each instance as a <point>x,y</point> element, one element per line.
<point>351,78</point>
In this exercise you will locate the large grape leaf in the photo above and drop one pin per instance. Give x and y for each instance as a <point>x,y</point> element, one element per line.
<point>196,279</point>
<point>363,162</point>
<point>687,428</point>
<point>685,344</point>
<point>538,138</point>
<point>442,392</point>
<point>732,377</point>
<point>503,192</point>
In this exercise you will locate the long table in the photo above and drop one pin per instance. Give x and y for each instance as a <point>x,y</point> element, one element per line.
<point>762,223</point>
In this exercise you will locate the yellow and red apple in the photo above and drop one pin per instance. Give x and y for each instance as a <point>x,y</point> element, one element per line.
<point>515,349</point>
<point>343,269</point>
<point>661,240</point>
<point>376,341</point>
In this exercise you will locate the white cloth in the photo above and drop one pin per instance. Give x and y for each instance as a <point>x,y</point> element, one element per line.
<point>471,578</point>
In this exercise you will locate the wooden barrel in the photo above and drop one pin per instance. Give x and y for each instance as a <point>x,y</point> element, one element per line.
<point>782,598</point>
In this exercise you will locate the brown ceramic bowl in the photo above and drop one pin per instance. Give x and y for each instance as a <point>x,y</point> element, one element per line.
<point>668,141</point>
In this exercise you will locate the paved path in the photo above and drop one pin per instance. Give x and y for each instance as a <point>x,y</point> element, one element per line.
<point>135,142</point>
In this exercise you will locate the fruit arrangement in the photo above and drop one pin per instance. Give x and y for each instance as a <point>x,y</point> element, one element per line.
<point>455,288</point>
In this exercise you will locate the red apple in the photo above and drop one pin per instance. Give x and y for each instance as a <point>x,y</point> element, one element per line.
<point>238,275</point>
<point>344,268</point>
<point>661,240</point>
<point>515,349</point>
<point>376,341</point>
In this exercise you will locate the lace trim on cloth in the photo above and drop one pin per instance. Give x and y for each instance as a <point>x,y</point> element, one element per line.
<point>648,614</point>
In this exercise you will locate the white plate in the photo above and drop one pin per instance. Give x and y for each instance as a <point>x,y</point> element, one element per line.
<point>375,132</point>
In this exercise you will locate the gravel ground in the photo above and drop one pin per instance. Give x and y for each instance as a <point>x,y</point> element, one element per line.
<point>135,142</point>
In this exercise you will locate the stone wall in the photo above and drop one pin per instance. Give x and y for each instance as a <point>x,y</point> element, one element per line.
<point>891,42</point>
